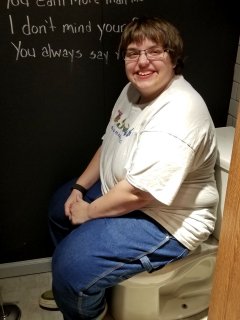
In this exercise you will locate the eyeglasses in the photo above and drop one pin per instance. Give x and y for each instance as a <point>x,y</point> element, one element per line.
<point>154,53</point>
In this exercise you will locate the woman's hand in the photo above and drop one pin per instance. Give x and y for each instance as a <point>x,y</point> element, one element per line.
<point>79,212</point>
<point>74,197</point>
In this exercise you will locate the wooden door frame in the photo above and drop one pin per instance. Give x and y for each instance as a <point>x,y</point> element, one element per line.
<point>225,296</point>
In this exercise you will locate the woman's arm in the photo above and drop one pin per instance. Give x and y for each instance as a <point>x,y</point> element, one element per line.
<point>121,199</point>
<point>89,176</point>
<point>92,173</point>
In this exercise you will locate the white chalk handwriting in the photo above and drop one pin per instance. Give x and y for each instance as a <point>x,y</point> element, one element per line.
<point>25,25</point>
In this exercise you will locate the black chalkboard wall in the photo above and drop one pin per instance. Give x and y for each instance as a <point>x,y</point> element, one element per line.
<point>60,75</point>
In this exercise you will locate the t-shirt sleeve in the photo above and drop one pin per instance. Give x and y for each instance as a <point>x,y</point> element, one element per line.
<point>160,164</point>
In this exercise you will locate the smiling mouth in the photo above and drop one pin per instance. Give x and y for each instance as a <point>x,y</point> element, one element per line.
<point>144,74</point>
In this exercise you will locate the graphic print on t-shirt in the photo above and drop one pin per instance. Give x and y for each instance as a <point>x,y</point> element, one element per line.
<point>121,127</point>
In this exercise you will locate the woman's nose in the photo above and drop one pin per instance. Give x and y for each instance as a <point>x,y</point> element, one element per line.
<point>143,59</point>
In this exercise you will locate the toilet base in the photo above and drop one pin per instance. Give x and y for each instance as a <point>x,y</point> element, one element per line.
<point>168,308</point>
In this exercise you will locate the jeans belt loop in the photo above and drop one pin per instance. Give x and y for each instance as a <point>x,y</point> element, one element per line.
<point>146,263</point>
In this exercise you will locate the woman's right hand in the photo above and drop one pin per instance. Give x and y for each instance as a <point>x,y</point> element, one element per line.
<point>74,197</point>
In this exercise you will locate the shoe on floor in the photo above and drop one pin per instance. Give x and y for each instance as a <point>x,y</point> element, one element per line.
<point>47,301</point>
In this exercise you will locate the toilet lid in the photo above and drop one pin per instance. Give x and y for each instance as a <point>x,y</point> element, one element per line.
<point>225,137</point>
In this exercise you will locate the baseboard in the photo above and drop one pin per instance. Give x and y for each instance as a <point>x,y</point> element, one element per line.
<point>20,268</point>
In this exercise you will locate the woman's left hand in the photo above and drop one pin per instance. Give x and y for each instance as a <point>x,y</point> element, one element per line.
<point>78,212</point>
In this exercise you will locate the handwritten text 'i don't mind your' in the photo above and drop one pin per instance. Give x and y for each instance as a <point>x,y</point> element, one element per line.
<point>29,28</point>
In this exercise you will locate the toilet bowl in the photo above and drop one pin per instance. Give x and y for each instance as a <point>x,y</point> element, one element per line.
<point>182,288</point>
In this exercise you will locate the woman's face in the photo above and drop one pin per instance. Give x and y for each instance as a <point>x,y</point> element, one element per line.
<point>150,77</point>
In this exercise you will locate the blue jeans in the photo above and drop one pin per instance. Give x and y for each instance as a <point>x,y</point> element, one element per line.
<point>100,253</point>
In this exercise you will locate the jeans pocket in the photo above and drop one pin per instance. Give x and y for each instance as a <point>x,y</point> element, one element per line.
<point>168,251</point>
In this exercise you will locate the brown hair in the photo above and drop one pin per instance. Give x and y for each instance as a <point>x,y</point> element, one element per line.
<point>158,30</point>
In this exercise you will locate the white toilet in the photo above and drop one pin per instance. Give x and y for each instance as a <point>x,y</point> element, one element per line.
<point>182,288</point>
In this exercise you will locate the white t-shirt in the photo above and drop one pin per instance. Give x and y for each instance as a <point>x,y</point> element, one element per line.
<point>167,148</point>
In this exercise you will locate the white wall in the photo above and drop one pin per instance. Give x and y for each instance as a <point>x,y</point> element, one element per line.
<point>234,104</point>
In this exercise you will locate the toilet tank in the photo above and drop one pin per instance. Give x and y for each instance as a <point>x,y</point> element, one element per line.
<point>225,137</point>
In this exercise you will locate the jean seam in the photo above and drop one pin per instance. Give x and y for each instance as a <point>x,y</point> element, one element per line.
<point>79,302</point>
<point>178,257</point>
<point>154,248</point>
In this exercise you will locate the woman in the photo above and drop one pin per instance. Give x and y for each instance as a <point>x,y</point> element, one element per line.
<point>148,196</point>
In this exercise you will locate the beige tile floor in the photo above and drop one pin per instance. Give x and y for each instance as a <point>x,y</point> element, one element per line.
<point>26,290</point>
